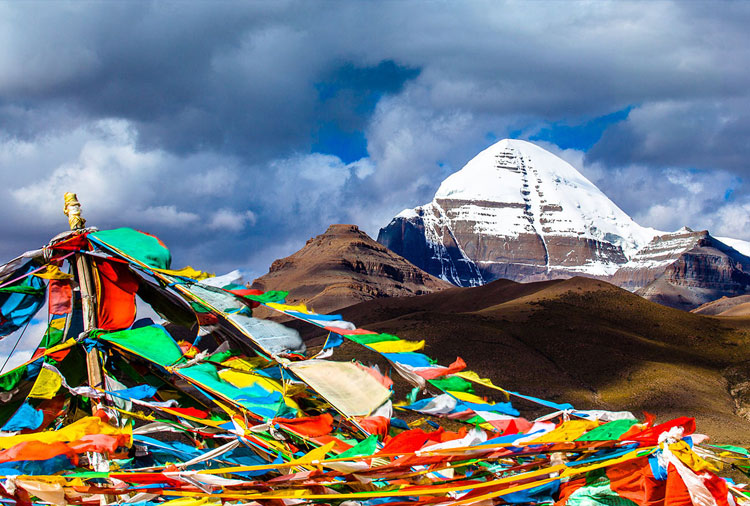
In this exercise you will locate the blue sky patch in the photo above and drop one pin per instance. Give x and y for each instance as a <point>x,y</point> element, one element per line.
<point>581,136</point>
<point>347,99</point>
<point>348,146</point>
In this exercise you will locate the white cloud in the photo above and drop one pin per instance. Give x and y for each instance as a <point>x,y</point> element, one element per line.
<point>214,182</point>
<point>685,180</point>
<point>109,174</point>
<point>168,216</point>
<point>226,219</point>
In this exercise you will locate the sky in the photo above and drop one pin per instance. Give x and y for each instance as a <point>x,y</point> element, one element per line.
<point>235,131</point>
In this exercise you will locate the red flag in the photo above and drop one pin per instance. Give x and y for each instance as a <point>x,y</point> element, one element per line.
<point>311,426</point>
<point>60,296</point>
<point>115,293</point>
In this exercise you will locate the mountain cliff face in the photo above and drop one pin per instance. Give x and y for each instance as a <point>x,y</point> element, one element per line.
<point>519,212</point>
<point>652,260</point>
<point>707,271</point>
<point>344,266</point>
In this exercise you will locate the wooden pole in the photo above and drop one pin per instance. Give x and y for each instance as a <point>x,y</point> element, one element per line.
<point>72,210</point>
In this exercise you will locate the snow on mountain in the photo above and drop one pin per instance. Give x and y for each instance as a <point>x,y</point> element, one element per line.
<point>520,212</point>
<point>738,244</point>
<point>522,173</point>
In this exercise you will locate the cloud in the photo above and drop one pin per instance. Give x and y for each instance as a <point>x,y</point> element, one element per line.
<point>118,183</point>
<point>708,134</point>
<point>226,219</point>
<point>235,131</point>
<point>670,198</point>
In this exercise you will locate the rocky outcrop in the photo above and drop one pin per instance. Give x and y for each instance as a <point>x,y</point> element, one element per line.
<point>344,266</point>
<point>515,211</point>
<point>707,271</point>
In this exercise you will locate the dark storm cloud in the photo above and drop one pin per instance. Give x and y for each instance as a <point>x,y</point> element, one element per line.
<point>245,121</point>
<point>706,135</point>
<point>231,75</point>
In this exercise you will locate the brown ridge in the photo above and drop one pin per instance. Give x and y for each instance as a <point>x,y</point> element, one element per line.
<point>344,266</point>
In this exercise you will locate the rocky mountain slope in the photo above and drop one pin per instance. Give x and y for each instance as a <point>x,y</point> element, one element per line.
<point>709,269</point>
<point>344,266</point>
<point>651,261</point>
<point>519,212</point>
<point>582,341</point>
<point>740,310</point>
<point>727,306</point>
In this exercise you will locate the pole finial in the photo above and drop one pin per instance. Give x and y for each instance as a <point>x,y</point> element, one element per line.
<point>72,210</point>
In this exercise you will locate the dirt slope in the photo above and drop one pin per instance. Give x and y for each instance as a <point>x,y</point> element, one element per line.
<point>582,341</point>
<point>726,306</point>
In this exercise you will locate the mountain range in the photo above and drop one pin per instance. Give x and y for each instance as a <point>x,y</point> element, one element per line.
<point>518,212</point>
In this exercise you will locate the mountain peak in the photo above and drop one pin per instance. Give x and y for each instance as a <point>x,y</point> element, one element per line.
<point>342,229</point>
<point>483,177</point>
<point>516,191</point>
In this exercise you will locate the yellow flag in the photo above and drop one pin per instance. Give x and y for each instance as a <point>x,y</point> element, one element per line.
<point>682,451</point>
<point>466,396</point>
<point>46,385</point>
<point>186,272</point>
<point>57,323</point>
<point>52,271</point>
<point>191,501</point>
<point>73,432</point>
<point>472,376</point>
<point>299,308</point>
<point>246,363</point>
<point>567,431</point>
<point>396,346</point>
<point>315,455</point>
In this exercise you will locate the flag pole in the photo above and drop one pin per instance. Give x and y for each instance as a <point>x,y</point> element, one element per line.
<point>72,210</point>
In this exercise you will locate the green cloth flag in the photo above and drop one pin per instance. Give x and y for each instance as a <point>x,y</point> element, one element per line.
<point>271,296</point>
<point>152,343</point>
<point>609,431</point>
<point>145,248</point>
<point>199,308</point>
<point>366,339</point>
<point>365,447</point>
<point>732,448</point>
<point>24,289</point>
<point>9,380</point>
<point>52,337</point>
<point>453,383</point>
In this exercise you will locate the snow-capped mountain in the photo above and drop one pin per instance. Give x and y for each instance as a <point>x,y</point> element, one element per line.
<point>516,211</point>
